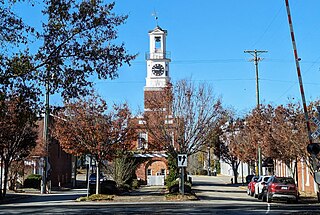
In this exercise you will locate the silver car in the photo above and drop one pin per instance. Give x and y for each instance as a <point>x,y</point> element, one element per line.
<point>259,186</point>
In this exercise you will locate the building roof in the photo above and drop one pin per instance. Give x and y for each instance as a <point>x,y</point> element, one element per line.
<point>158,28</point>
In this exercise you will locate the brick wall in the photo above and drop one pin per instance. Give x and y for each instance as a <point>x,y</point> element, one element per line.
<point>155,164</point>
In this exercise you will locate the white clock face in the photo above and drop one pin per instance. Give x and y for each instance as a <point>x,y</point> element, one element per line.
<point>157,70</point>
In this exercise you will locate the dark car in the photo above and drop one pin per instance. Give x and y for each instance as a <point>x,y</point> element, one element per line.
<point>93,178</point>
<point>249,178</point>
<point>280,188</point>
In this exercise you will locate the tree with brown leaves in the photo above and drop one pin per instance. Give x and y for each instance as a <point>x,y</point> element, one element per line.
<point>17,132</point>
<point>87,126</point>
<point>230,146</point>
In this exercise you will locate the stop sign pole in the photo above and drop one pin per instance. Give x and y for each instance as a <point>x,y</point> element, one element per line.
<point>182,163</point>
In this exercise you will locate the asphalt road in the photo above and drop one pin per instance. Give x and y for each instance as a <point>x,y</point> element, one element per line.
<point>216,196</point>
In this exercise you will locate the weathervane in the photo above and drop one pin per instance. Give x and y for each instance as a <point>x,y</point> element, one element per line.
<point>155,14</point>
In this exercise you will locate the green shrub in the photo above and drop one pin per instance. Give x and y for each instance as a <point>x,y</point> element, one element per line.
<point>107,187</point>
<point>135,184</point>
<point>173,170</point>
<point>174,187</point>
<point>218,167</point>
<point>172,183</point>
<point>203,172</point>
<point>33,181</point>
<point>124,188</point>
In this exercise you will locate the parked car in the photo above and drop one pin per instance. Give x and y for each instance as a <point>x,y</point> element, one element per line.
<point>250,190</point>
<point>249,178</point>
<point>281,188</point>
<point>93,178</point>
<point>107,187</point>
<point>259,186</point>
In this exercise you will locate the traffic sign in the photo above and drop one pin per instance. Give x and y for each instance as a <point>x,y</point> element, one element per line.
<point>316,121</point>
<point>316,134</point>
<point>182,160</point>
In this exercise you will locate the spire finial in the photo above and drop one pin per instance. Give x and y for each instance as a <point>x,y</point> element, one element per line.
<point>155,14</point>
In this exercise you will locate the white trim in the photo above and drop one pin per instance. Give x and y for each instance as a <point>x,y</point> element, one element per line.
<point>302,174</point>
<point>148,155</point>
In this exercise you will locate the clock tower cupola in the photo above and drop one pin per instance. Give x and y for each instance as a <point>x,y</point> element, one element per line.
<point>158,59</point>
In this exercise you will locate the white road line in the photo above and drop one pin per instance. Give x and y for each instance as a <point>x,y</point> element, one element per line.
<point>268,208</point>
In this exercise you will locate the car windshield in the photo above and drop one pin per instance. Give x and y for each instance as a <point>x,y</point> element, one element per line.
<point>93,176</point>
<point>284,180</point>
<point>266,179</point>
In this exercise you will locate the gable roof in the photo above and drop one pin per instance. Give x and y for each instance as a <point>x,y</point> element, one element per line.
<point>158,29</point>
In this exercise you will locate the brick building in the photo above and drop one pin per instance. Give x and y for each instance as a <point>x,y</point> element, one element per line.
<point>60,163</point>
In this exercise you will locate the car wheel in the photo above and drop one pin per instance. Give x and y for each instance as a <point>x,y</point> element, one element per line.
<point>264,198</point>
<point>289,201</point>
<point>268,198</point>
<point>259,196</point>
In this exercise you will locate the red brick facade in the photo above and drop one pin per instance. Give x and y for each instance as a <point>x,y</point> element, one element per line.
<point>60,163</point>
<point>153,166</point>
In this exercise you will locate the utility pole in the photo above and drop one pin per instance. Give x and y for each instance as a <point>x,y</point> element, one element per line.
<point>46,138</point>
<point>255,53</point>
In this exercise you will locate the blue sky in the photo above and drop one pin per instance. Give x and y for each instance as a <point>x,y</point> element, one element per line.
<point>207,39</point>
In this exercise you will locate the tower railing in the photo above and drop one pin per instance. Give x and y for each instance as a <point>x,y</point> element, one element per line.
<point>157,55</point>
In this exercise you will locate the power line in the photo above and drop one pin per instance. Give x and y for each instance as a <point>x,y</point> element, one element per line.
<point>268,27</point>
<point>203,61</point>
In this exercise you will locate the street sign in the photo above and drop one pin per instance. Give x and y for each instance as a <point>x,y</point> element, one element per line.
<point>182,160</point>
<point>316,121</point>
<point>316,134</point>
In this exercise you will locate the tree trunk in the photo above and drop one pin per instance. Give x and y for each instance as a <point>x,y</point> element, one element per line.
<point>235,171</point>
<point>74,169</point>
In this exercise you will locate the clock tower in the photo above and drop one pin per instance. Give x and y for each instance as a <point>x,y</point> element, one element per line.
<point>158,60</point>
